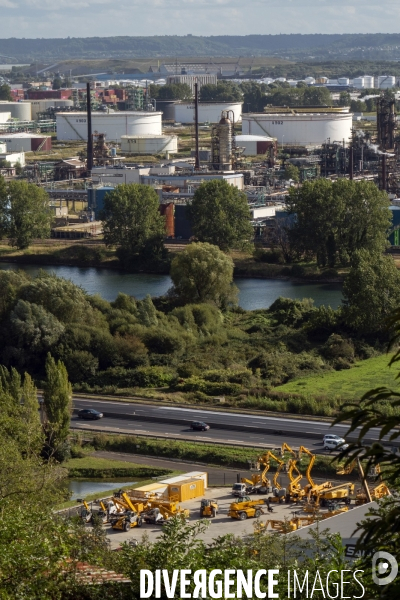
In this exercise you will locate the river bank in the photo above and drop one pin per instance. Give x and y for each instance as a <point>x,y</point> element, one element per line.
<point>95,254</point>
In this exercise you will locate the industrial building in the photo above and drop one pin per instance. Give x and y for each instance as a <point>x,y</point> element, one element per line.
<point>190,80</point>
<point>209,112</point>
<point>73,125</point>
<point>19,110</point>
<point>300,128</point>
<point>149,144</point>
<point>26,142</point>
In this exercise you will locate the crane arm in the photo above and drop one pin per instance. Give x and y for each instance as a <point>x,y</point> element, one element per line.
<point>304,450</point>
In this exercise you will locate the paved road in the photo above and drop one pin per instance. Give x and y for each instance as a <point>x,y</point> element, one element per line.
<point>225,426</point>
<point>183,432</point>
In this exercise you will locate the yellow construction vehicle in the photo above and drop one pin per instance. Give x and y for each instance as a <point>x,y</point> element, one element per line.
<point>295,491</point>
<point>126,521</point>
<point>208,508</point>
<point>328,496</point>
<point>244,508</point>
<point>380,491</point>
<point>86,513</point>
<point>265,459</point>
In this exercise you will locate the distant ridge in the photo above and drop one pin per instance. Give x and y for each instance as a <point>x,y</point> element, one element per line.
<point>378,46</point>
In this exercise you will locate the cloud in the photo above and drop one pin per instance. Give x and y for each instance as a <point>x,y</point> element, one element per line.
<point>88,18</point>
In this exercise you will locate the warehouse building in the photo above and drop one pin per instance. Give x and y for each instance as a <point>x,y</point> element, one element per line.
<point>190,80</point>
<point>72,126</point>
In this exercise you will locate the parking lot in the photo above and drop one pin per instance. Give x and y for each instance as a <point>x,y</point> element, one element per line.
<point>220,525</point>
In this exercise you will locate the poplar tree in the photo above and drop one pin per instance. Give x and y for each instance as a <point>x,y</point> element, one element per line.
<point>57,398</point>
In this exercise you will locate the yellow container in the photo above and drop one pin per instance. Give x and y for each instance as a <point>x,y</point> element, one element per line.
<point>186,489</point>
<point>151,488</point>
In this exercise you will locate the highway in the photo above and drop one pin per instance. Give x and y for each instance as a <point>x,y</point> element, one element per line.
<point>224,426</point>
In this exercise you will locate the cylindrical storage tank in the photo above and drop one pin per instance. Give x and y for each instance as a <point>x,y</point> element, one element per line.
<point>149,144</point>
<point>168,210</point>
<point>386,82</point>
<point>304,129</point>
<point>310,80</point>
<point>254,144</point>
<point>369,82</point>
<point>40,106</point>
<point>209,112</point>
<point>73,125</point>
<point>4,117</point>
<point>26,142</point>
<point>19,110</point>
<point>359,83</point>
<point>321,80</point>
<point>167,109</point>
<point>343,81</point>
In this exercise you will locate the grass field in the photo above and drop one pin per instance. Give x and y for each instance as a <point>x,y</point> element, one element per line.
<point>348,384</point>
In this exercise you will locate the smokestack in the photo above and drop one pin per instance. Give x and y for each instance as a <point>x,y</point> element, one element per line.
<point>351,162</point>
<point>383,184</point>
<point>89,132</point>
<point>196,124</point>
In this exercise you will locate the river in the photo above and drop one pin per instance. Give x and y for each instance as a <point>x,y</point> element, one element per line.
<point>253,293</point>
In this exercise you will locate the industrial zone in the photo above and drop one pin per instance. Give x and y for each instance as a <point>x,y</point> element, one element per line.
<point>192,142</point>
<point>125,136</point>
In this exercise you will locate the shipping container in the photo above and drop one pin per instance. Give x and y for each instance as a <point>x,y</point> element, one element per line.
<point>186,489</point>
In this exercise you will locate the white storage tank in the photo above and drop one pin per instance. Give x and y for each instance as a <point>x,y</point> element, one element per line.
<point>39,106</point>
<point>254,144</point>
<point>343,81</point>
<point>149,144</point>
<point>305,129</point>
<point>386,82</point>
<point>369,82</point>
<point>73,125</point>
<point>359,83</point>
<point>26,142</point>
<point>19,110</point>
<point>4,117</point>
<point>209,112</point>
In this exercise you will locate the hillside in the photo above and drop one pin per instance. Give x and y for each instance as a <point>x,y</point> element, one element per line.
<point>296,46</point>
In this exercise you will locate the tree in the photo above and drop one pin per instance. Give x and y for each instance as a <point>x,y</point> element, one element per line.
<point>254,98</point>
<point>223,91</point>
<point>202,273</point>
<point>57,398</point>
<point>371,291</point>
<point>344,99</point>
<point>175,91</point>
<point>291,172</point>
<point>132,222</point>
<point>24,213</point>
<point>378,414</point>
<point>316,96</point>
<point>57,83</point>
<point>334,219</point>
<point>220,215</point>
<point>5,92</point>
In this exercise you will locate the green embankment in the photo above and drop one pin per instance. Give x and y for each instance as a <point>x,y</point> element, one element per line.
<point>101,468</point>
<point>348,384</point>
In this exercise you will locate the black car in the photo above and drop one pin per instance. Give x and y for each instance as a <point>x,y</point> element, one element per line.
<point>199,426</point>
<point>89,413</point>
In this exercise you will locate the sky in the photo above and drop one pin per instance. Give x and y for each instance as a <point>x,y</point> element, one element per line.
<point>89,18</point>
